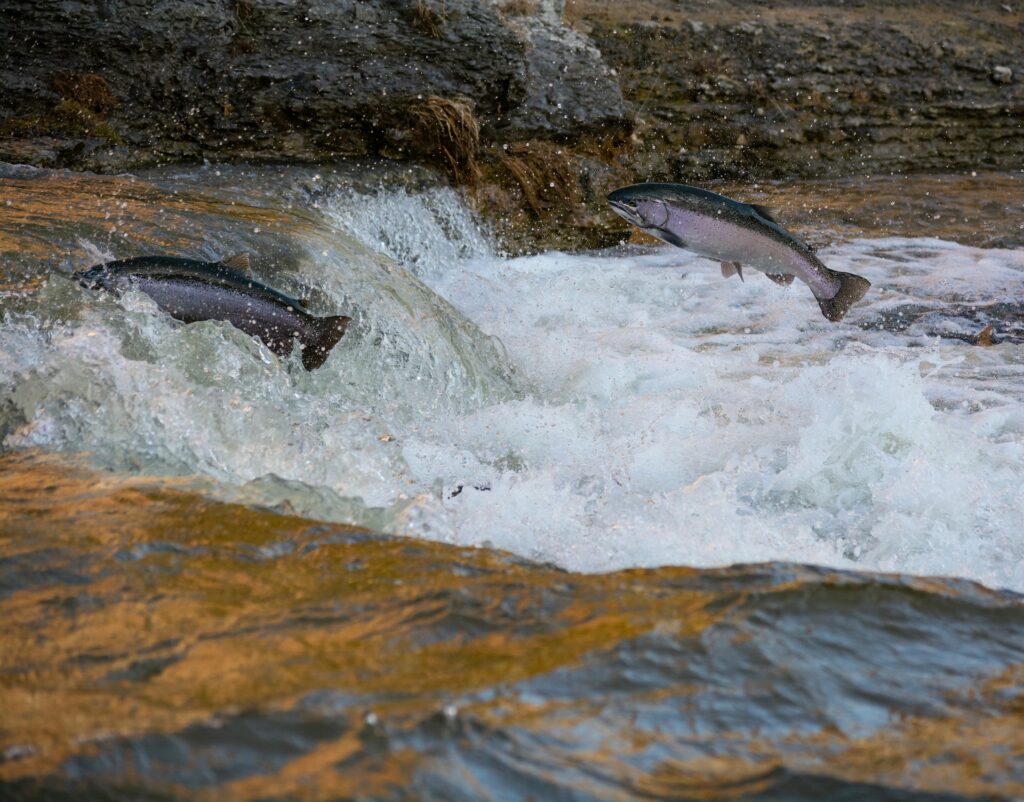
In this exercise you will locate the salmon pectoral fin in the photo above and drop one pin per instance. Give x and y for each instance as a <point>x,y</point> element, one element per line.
<point>239,262</point>
<point>732,269</point>
<point>851,290</point>
<point>325,335</point>
<point>785,279</point>
<point>668,236</point>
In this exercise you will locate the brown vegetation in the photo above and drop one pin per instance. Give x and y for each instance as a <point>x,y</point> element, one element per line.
<point>519,8</point>
<point>88,90</point>
<point>67,118</point>
<point>429,20</point>
<point>704,64</point>
<point>245,15</point>
<point>447,128</point>
<point>545,174</point>
<point>246,21</point>
<point>86,99</point>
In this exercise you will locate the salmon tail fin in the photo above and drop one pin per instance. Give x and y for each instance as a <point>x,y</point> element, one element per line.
<point>851,290</point>
<point>325,335</point>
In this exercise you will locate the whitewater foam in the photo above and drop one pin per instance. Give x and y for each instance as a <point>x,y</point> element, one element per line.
<point>660,415</point>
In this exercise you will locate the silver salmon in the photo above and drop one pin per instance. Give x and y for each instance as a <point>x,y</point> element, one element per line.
<point>189,290</point>
<point>736,234</point>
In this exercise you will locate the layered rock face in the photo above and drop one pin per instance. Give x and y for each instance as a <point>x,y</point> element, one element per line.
<point>122,82</point>
<point>717,88</point>
<point>745,89</point>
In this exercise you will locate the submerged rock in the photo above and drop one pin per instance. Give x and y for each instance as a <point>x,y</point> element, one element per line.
<point>266,656</point>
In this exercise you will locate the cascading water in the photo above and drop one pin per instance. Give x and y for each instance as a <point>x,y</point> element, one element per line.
<point>137,391</point>
<point>600,411</point>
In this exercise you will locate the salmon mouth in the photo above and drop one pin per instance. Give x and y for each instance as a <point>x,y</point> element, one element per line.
<point>627,212</point>
<point>91,279</point>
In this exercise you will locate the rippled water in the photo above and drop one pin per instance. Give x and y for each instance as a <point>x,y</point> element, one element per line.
<point>597,412</point>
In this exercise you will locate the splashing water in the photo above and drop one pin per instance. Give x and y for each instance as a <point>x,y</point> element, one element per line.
<point>427,232</point>
<point>625,408</point>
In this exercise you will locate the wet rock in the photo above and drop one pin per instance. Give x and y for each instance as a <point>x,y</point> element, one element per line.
<point>568,88</point>
<point>930,96</point>
<point>259,79</point>
<point>17,752</point>
<point>1002,75</point>
<point>978,324</point>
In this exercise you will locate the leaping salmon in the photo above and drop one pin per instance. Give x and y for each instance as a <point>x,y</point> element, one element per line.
<point>736,234</point>
<point>190,291</point>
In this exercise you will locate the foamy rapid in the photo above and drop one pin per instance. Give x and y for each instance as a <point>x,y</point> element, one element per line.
<point>659,414</point>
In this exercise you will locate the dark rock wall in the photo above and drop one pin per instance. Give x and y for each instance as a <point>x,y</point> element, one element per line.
<point>283,79</point>
<point>569,89</point>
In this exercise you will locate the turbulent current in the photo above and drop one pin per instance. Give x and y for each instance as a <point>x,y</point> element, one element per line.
<point>619,409</point>
<point>598,411</point>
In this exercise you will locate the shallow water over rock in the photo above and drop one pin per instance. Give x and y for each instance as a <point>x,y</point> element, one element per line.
<point>159,645</point>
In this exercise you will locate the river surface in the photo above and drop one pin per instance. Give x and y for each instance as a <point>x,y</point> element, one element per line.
<point>729,549</point>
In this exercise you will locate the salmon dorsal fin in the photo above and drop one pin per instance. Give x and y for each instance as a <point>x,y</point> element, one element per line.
<point>764,212</point>
<point>239,262</point>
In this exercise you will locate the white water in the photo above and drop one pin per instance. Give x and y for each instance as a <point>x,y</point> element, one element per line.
<point>664,415</point>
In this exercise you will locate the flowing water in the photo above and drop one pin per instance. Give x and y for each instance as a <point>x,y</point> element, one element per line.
<point>188,610</point>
